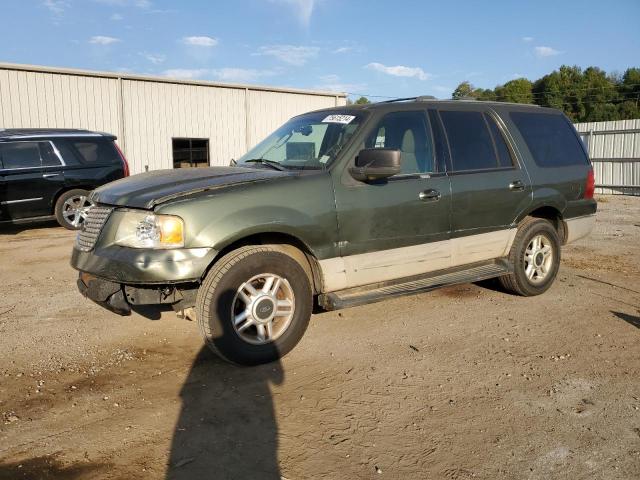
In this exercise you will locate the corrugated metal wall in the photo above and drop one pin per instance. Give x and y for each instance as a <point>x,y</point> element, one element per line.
<point>146,113</point>
<point>614,148</point>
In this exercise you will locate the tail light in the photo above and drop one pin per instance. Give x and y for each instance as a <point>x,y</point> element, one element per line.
<point>125,164</point>
<point>590,184</point>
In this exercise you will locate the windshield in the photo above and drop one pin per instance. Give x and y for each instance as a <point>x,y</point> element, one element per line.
<point>310,141</point>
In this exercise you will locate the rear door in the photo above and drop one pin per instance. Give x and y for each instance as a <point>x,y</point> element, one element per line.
<point>25,192</point>
<point>489,187</point>
<point>90,161</point>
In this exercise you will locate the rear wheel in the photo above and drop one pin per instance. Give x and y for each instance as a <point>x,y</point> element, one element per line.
<point>254,305</point>
<point>535,256</point>
<point>72,207</point>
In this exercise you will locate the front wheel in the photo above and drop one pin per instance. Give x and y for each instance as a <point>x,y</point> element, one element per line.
<point>535,256</point>
<point>254,305</point>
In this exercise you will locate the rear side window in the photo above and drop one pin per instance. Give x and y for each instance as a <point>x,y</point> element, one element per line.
<point>504,155</point>
<point>20,154</point>
<point>550,138</point>
<point>470,141</point>
<point>88,151</point>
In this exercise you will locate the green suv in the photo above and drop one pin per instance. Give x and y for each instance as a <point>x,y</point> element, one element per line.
<point>342,207</point>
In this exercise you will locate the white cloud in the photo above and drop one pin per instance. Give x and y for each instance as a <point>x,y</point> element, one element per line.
<point>228,74</point>
<point>155,58</point>
<point>291,54</point>
<point>443,89</point>
<point>302,9</point>
<point>342,50</point>
<point>231,74</point>
<point>332,83</point>
<point>400,71</point>
<point>185,73</point>
<point>126,3</point>
<point>200,41</point>
<point>527,39</point>
<point>56,7</point>
<point>331,78</point>
<point>545,52</point>
<point>103,40</point>
<point>116,17</point>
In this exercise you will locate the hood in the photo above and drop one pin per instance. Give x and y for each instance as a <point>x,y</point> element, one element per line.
<point>146,190</point>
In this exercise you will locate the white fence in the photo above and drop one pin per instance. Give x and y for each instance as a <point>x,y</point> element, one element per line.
<point>614,148</point>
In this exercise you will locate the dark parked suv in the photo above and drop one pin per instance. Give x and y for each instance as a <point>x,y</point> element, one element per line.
<point>341,207</point>
<point>46,173</point>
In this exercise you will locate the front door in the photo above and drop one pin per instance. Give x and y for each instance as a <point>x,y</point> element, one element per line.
<point>398,227</point>
<point>489,189</point>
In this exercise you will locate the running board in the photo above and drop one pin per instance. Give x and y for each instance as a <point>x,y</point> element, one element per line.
<point>408,286</point>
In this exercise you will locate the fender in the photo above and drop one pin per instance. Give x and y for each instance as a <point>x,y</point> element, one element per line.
<point>544,197</point>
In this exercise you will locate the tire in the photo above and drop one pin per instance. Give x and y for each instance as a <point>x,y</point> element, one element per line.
<point>66,215</point>
<point>219,305</point>
<point>529,279</point>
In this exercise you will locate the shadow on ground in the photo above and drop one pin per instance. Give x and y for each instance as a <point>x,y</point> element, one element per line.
<point>630,319</point>
<point>15,228</point>
<point>227,427</point>
<point>45,468</point>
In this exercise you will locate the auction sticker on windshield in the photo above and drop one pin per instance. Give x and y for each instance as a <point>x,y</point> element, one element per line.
<point>338,119</point>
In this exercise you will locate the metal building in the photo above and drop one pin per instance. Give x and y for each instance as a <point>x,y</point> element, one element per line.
<point>614,148</point>
<point>157,120</point>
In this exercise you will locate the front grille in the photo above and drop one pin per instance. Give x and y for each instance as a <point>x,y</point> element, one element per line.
<point>91,227</point>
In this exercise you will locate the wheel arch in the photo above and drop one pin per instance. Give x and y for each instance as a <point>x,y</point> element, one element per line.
<point>551,213</point>
<point>65,189</point>
<point>290,244</point>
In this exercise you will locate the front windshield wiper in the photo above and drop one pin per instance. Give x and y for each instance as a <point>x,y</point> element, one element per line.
<point>271,163</point>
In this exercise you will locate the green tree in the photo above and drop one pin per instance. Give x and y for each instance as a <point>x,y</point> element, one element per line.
<point>599,95</point>
<point>464,90</point>
<point>516,91</point>
<point>562,89</point>
<point>629,89</point>
<point>467,90</point>
<point>591,95</point>
<point>362,101</point>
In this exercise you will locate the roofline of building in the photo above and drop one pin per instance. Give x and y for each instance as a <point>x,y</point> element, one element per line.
<point>149,78</point>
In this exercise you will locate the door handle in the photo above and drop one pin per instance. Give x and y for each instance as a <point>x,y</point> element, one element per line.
<point>430,195</point>
<point>49,175</point>
<point>516,186</point>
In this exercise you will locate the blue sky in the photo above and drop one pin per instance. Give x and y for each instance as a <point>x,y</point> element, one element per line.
<point>388,49</point>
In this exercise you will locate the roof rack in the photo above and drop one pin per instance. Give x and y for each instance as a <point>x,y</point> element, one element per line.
<point>420,98</point>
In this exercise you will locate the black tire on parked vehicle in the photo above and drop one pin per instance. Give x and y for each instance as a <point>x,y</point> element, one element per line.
<point>254,305</point>
<point>71,208</point>
<point>535,256</point>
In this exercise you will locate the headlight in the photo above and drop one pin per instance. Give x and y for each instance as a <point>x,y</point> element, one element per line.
<point>146,230</point>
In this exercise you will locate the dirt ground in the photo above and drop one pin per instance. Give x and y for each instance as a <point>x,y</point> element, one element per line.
<point>462,383</point>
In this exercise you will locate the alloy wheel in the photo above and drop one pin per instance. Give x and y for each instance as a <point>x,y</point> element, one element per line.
<point>75,210</point>
<point>538,259</point>
<point>263,308</point>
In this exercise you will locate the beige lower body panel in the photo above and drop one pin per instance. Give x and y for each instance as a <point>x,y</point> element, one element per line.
<point>579,227</point>
<point>356,270</point>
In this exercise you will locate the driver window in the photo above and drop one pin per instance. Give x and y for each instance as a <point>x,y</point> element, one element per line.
<point>409,133</point>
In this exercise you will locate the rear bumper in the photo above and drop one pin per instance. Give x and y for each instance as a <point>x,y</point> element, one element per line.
<point>579,227</point>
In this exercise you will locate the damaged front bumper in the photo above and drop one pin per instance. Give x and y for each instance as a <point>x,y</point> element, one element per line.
<point>109,295</point>
<point>118,278</point>
<point>119,298</point>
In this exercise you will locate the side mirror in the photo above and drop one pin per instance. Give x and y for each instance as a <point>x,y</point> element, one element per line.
<point>375,164</point>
